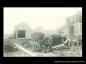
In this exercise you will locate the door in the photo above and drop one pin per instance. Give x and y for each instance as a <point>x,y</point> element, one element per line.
<point>21,34</point>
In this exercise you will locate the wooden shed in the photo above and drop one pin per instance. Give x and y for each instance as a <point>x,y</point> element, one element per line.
<point>22,31</point>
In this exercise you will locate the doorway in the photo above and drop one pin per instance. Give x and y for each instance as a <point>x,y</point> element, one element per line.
<point>21,34</point>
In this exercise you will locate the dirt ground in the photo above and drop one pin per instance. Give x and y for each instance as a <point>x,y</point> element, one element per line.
<point>16,54</point>
<point>75,51</point>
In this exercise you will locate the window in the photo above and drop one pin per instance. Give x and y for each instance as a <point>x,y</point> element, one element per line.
<point>21,34</point>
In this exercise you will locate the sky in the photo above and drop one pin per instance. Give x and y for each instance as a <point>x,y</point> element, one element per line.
<point>47,18</point>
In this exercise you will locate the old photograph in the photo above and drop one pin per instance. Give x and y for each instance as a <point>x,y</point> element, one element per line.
<point>42,32</point>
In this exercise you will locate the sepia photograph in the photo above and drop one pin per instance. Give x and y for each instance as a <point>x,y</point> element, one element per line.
<point>42,32</point>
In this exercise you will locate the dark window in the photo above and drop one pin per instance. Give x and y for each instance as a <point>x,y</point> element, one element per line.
<point>21,34</point>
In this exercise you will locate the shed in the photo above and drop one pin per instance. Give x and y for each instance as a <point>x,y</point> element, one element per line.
<point>22,31</point>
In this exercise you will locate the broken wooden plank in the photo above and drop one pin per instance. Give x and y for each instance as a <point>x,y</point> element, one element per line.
<point>24,50</point>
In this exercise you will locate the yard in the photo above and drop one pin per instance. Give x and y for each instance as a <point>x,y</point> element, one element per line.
<point>73,52</point>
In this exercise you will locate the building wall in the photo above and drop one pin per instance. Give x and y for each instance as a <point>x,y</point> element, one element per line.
<point>75,25</point>
<point>65,31</point>
<point>78,29</point>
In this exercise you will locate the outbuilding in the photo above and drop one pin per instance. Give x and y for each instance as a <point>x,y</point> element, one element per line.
<point>22,31</point>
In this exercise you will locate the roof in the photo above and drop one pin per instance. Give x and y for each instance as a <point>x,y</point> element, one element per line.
<point>22,26</point>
